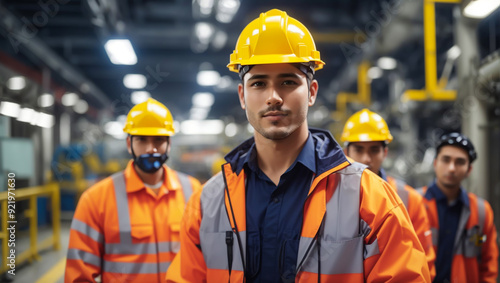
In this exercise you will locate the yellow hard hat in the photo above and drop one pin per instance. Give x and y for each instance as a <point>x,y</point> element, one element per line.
<point>274,38</point>
<point>366,125</point>
<point>149,118</point>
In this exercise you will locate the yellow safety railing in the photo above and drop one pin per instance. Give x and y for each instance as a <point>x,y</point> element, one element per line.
<point>433,90</point>
<point>31,194</point>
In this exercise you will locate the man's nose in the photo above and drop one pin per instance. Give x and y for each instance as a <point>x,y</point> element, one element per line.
<point>274,98</point>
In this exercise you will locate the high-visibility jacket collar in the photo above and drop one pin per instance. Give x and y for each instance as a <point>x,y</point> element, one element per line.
<point>134,182</point>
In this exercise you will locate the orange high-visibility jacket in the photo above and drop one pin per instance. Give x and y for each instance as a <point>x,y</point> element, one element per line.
<point>354,228</point>
<point>415,206</point>
<point>476,251</point>
<point>125,232</point>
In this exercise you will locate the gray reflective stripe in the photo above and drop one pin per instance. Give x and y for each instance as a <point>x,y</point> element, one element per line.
<point>481,214</point>
<point>464,217</point>
<point>337,257</point>
<point>140,248</point>
<point>186,185</point>
<point>214,225</point>
<point>122,206</point>
<point>371,249</point>
<point>342,239</point>
<point>435,236</point>
<point>84,256</point>
<point>402,192</point>
<point>420,191</point>
<point>342,219</point>
<point>85,229</point>
<point>133,268</point>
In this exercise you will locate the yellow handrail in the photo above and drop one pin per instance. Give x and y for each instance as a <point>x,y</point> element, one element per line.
<point>31,194</point>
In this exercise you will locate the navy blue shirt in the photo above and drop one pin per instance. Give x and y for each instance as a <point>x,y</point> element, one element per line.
<point>274,216</point>
<point>448,217</point>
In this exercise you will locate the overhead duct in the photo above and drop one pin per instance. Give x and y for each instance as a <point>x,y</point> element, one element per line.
<point>19,34</point>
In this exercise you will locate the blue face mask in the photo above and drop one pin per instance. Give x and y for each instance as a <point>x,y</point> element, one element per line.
<point>150,162</point>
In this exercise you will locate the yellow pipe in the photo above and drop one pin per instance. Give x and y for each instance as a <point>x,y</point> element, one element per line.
<point>433,90</point>
<point>430,45</point>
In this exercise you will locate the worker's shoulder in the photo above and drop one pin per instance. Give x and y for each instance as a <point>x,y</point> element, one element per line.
<point>99,189</point>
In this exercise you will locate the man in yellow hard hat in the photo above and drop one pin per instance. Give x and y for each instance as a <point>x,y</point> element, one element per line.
<point>365,137</point>
<point>126,227</point>
<point>288,206</point>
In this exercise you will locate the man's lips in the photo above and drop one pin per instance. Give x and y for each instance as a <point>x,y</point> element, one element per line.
<point>273,114</point>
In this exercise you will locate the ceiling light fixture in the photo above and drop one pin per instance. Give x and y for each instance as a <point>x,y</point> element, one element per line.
<point>208,78</point>
<point>139,96</point>
<point>387,63</point>
<point>16,83</point>
<point>10,109</point>
<point>480,9</point>
<point>46,100</point>
<point>120,52</point>
<point>69,99</point>
<point>134,81</point>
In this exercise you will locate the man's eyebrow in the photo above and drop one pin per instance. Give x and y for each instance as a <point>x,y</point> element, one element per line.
<point>283,75</point>
<point>257,77</point>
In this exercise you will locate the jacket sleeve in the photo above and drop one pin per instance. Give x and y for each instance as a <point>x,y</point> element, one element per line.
<point>189,264</point>
<point>393,252</point>
<point>488,268</point>
<point>422,226</point>
<point>84,258</point>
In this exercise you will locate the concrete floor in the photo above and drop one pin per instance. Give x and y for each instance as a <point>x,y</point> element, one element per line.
<point>50,267</point>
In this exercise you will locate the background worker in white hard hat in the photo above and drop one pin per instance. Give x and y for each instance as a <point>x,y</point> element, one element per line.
<point>366,136</point>
<point>288,206</point>
<point>126,227</point>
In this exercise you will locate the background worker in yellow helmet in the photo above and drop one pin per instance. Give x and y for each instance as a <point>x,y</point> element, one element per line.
<point>366,136</point>
<point>126,227</point>
<point>288,206</point>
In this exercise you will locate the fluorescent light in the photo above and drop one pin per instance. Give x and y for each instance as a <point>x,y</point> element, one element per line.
<point>204,32</point>
<point>479,9</point>
<point>81,107</point>
<point>16,83</point>
<point>69,99</point>
<point>375,73</point>
<point>453,52</point>
<point>202,127</point>
<point>198,113</point>
<point>203,99</point>
<point>231,130</point>
<point>226,9</point>
<point>139,96</point>
<point>26,115</point>
<point>206,6</point>
<point>387,63</point>
<point>120,52</point>
<point>134,81</point>
<point>44,120</point>
<point>10,109</point>
<point>115,129</point>
<point>208,78</point>
<point>46,100</point>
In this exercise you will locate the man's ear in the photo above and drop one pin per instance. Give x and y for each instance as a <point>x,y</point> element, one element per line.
<point>468,171</point>
<point>313,92</point>
<point>241,96</point>
<point>129,146</point>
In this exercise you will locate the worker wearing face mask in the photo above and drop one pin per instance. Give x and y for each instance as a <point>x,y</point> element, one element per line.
<point>126,227</point>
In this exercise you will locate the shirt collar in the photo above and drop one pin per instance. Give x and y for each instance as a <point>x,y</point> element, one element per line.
<point>382,174</point>
<point>306,157</point>
<point>435,192</point>
<point>134,182</point>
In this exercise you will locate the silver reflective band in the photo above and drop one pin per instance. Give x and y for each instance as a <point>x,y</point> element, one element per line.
<point>88,231</point>
<point>84,256</point>
<point>134,268</point>
<point>403,194</point>
<point>186,185</point>
<point>139,248</point>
